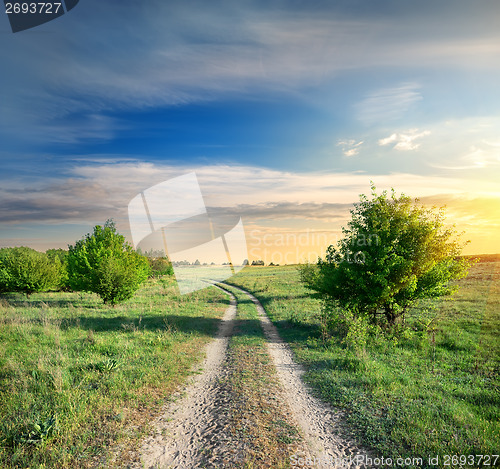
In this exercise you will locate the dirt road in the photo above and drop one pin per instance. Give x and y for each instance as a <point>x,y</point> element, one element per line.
<point>194,424</point>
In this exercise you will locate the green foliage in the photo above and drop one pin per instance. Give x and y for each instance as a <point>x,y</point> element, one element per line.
<point>394,253</point>
<point>104,263</point>
<point>25,270</point>
<point>40,430</point>
<point>4,273</point>
<point>343,324</point>
<point>96,368</point>
<point>61,255</point>
<point>160,266</point>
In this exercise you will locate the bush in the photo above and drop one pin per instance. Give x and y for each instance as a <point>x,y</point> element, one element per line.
<point>160,266</point>
<point>104,263</point>
<point>352,330</point>
<point>25,270</point>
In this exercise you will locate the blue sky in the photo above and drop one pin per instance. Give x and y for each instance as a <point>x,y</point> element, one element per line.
<point>286,110</point>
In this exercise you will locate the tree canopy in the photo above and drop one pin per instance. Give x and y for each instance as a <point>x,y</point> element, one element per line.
<point>394,253</point>
<point>104,263</point>
<point>26,270</point>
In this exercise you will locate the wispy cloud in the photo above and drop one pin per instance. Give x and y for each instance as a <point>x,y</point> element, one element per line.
<point>388,104</point>
<point>482,155</point>
<point>404,141</point>
<point>266,199</point>
<point>168,55</point>
<point>466,144</point>
<point>100,191</point>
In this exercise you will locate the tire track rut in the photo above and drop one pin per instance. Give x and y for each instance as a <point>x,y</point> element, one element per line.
<point>190,422</point>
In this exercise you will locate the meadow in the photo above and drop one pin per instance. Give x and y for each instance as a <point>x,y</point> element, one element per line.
<point>432,390</point>
<point>77,376</point>
<point>79,379</point>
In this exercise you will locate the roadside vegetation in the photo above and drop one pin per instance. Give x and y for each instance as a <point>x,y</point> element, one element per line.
<point>27,271</point>
<point>101,262</point>
<point>104,263</point>
<point>76,375</point>
<point>95,340</point>
<point>432,389</point>
<point>395,253</point>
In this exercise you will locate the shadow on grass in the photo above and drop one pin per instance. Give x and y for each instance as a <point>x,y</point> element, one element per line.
<point>18,300</point>
<point>297,332</point>
<point>247,328</point>
<point>197,324</point>
<point>179,323</point>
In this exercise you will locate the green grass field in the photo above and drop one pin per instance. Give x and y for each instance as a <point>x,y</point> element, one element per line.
<point>424,394</point>
<point>76,376</point>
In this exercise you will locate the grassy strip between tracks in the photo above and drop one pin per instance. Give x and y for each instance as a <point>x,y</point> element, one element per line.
<point>261,431</point>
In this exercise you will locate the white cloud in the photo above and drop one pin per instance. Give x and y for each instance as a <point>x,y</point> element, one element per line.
<point>103,190</point>
<point>484,154</point>
<point>386,141</point>
<point>350,147</point>
<point>466,144</point>
<point>266,199</point>
<point>404,141</point>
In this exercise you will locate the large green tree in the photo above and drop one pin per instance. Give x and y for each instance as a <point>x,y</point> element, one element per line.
<point>25,270</point>
<point>394,253</point>
<point>104,263</point>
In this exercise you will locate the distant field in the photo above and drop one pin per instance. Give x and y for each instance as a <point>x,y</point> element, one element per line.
<point>428,393</point>
<point>89,374</point>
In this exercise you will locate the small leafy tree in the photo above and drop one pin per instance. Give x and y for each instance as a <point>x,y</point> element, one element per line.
<point>104,263</point>
<point>61,256</point>
<point>160,266</point>
<point>26,270</point>
<point>394,253</point>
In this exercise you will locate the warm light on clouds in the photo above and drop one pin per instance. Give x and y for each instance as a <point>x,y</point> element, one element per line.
<point>269,201</point>
<point>350,147</point>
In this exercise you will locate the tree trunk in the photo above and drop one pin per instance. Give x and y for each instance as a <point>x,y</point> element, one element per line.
<point>389,314</point>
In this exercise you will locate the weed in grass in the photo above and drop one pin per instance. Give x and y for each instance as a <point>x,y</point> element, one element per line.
<point>41,429</point>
